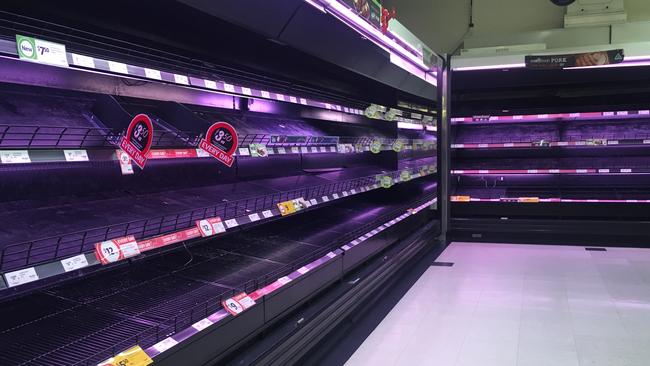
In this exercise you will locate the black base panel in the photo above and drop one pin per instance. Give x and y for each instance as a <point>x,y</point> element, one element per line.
<point>48,327</point>
<point>549,231</point>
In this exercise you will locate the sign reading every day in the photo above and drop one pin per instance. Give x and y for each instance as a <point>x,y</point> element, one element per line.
<point>221,142</point>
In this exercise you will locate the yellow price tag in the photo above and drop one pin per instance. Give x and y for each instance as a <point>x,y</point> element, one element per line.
<point>133,356</point>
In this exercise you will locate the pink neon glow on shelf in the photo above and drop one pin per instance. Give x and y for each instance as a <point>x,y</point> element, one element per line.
<point>409,126</point>
<point>554,116</point>
<point>490,67</point>
<point>546,200</point>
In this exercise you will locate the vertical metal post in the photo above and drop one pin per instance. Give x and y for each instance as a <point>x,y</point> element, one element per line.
<point>444,103</point>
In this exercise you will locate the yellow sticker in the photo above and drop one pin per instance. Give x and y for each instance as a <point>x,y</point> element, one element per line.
<point>286,208</point>
<point>133,356</point>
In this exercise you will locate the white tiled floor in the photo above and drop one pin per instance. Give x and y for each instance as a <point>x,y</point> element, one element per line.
<point>525,305</point>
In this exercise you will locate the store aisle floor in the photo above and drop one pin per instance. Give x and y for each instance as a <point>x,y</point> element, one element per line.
<point>524,305</point>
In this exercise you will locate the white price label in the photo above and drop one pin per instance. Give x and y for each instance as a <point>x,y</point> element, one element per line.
<point>335,195</point>
<point>152,74</point>
<point>325,199</point>
<point>75,155</point>
<point>323,149</point>
<point>333,149</point>
<point>181,79</point>
<point>118,67</point>
<point>303,270</point>
<point>293,100</point>
<point>265,94</point>
<point>345,193</point>
<point>243,151</point>
<point>246,91</point>
<point>231,223</point>
<point>354,191</point>
<point>314,149</point>
<point>130,249</point>
<point>295,150</point>
<point>281,150</point>
<point>165,344</point>
<point>76,262</point>
<point>21,277</point>
<point>331,254</point>
<point>313,201</point>
<point>202,153</point>
<point>267,214</point>
<point>284,280</point>
<point>279,97</point>
<point>14,157</point>
<point>83,61</point>
<point>254,217</point>
<point>303,101</point>
<point>304,150</point>
<point>228,87</point>
<point>247,302</point>
<point>202,324</point>
<point>210,84</point>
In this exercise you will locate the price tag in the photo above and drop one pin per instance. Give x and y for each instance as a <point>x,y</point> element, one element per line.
<point>303,101</point>
<point>295,150</point>
<point>325,199</point>
<point>228,87</point>
<point>243,151</point>
<point>202,324</point>
<point>75,155</point>
<point>125,162</point>
<point>200,153</point>
<point>303,270</point>
<point>266,94</point>
<point>331,254</point>
<point>118,67</point>
<point>110,251</point>
<point>210,84</point>
<point>152,74</point>
<point>130,249</point>
<point>14,157</point>
<point>345,193</point>
<point>165,344</point>
<point>267,214</point>
<point>73,263</point>
<point>313,201</point>
<point>314,149</point>
<point>282,150</point>
<point>211,226</point>
<point>21,277</point>
<point>279,97</point>
<point>284,280</point>
<point>333,149</point>
<point>323,149</point>
<point>83,61</point>
<point>37,50</point>
<point>236,305</point>
<point>246,91</point>
<point>134,356</point>
<point>335,195</point>
<point>293,100</point>
<point>304,150</point>
<point>231,223</point>
<point>181,79</point>
<point>254,217</point>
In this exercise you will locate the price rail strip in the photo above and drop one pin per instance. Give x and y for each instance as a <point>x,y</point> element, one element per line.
<point>27,275</point>
<point>537,144</point>
<point>551,171</point>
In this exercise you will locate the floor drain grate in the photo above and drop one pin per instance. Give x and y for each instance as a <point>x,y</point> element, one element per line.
<point>442,264</point>
<point>596,249</point>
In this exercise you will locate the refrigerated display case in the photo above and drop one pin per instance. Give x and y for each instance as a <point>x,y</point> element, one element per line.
<point>99,255</point>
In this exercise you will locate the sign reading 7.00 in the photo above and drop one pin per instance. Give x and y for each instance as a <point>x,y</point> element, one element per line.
<point>221,142</point>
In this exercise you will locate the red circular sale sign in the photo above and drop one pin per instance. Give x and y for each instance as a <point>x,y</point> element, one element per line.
<point>221,142</point>
<point>138,139</point>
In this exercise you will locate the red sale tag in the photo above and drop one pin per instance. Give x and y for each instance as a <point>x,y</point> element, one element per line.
<point>111,251</point>
<point>237,304</point>
<point>211,226</point>
<point>221,142</point>
<point>138,139</point>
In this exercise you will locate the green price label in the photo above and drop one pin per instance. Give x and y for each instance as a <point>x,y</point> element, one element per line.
<point>386,181</point>
<point>26,47</point>
<point>375,146</point>
<point>398,146</point>
<point>405,175</point>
